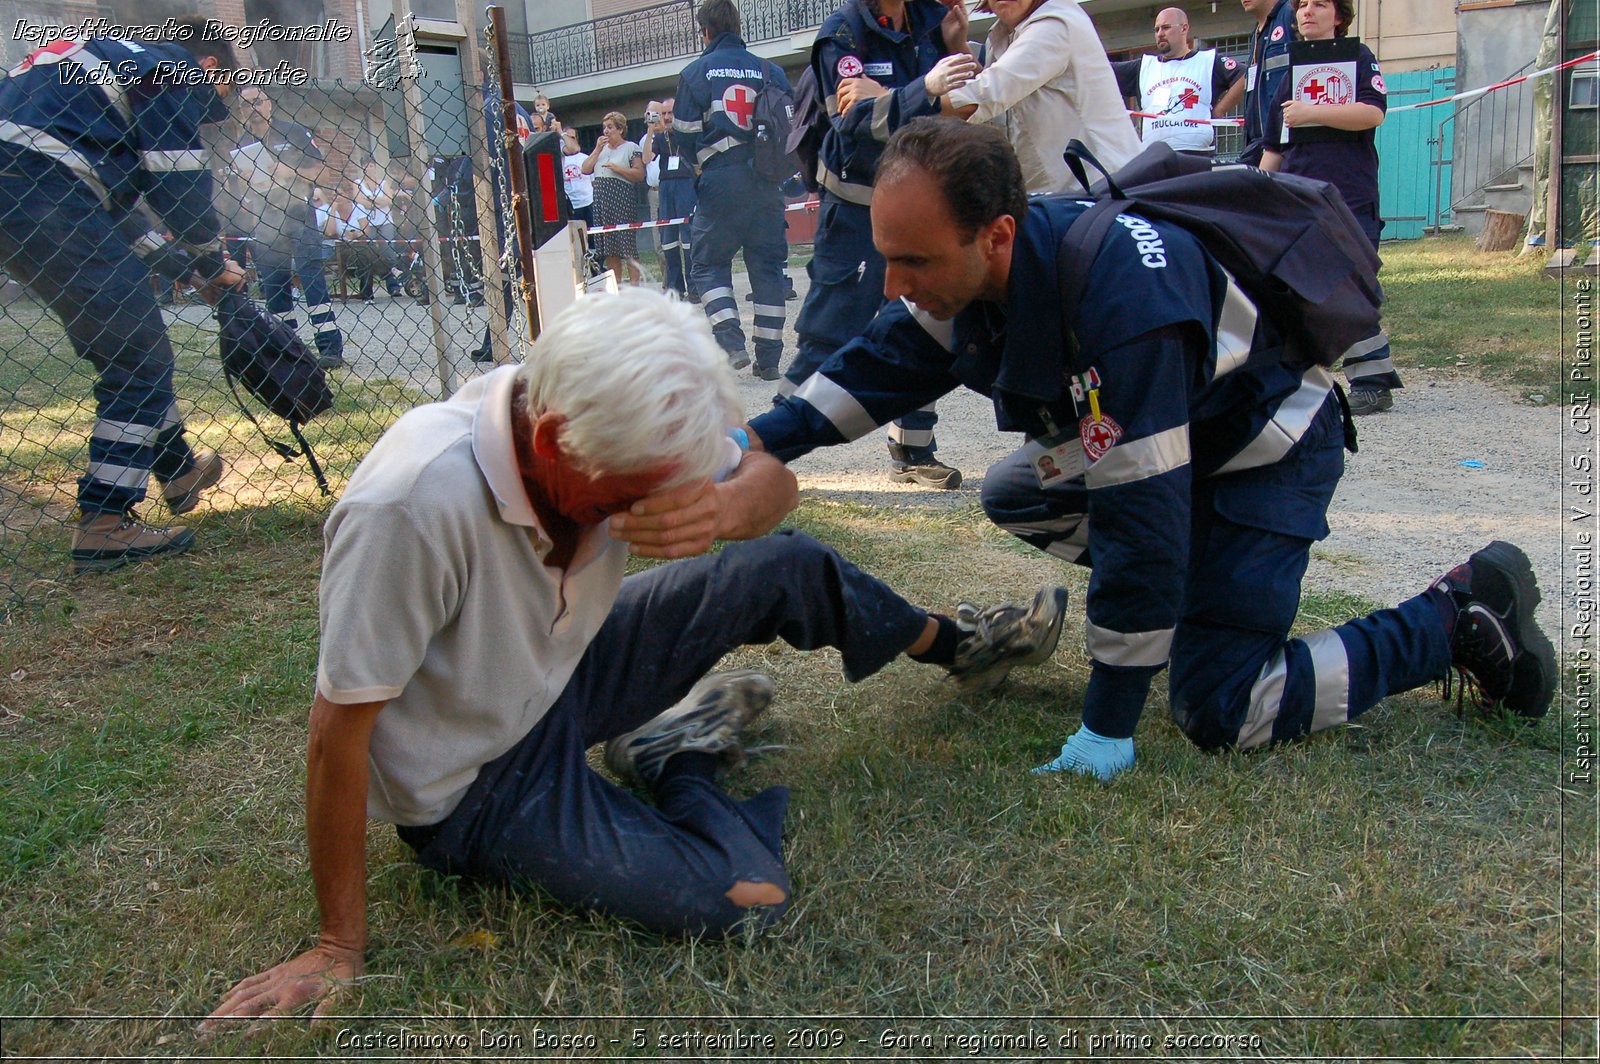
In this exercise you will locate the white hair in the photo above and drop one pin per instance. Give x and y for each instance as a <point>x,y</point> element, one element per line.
<point>641,383</point>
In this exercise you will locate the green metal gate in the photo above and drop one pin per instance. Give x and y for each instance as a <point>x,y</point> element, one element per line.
<point>1414,154</point>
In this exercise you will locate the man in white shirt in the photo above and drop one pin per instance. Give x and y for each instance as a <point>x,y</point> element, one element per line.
<point>1047,82</point>
<point>1185,87</point>
<point>478,636</point>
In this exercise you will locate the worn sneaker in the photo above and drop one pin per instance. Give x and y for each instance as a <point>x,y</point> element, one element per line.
<point>103,542</point>
<point>1002,637</point>
<point>1497,650</point>
<point>930,474</point>
<point>766,373</point>
<point>710,719</point>
<point>738,359</point>
<point>481,354</point>
<point>1369,400</point>
<point>330,361</point>
<point>183,493</point>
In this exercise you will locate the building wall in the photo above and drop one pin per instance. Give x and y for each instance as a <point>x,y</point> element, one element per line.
<point>1408,34</point>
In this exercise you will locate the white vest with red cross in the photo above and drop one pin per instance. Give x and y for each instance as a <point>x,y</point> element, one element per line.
<point>1178,90</point>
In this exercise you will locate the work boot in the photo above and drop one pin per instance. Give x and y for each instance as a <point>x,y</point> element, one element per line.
<point>1370,399</point>
<point>103,542</point>
<point>182,494</point>
<point>930,474</point>
<point>1496,648</point>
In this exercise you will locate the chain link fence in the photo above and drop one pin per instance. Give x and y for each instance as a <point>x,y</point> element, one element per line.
<point>360,233</point>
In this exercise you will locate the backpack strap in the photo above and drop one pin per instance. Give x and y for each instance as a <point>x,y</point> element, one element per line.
<point>287,453</point>
<point>1076,155</point>
<point>1076,256</point>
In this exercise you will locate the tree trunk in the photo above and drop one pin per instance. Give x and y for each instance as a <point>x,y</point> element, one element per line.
<point>1501,230</point>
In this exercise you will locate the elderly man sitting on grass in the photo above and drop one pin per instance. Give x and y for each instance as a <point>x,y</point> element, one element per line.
<point>478,637</point>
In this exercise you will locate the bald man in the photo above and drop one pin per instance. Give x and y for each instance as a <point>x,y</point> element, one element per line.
<point>1183,86</point>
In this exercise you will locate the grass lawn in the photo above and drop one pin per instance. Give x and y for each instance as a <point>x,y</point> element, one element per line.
<point>1455,310</point>
<point>1413,886</point>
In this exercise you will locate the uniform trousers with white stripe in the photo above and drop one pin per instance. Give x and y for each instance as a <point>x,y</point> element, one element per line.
<point>278,261</point>
<point>1367,363</point>
<point>737,210</point>
<point>1237,678</point>
<point>677,201</point>
<point>846,292</point>
<point>58,241</point>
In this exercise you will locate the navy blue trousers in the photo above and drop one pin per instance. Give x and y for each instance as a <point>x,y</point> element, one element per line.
<point>1367,363</point>
<point>276,269</point>
<point>1238,679</point>
<point>846,291</point>
<point>677,200</point>
<point>539,814</point>
<point>737,210</point>
<point>65,248</point>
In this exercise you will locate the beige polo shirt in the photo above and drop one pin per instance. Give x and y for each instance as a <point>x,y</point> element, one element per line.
<point>435,597</point>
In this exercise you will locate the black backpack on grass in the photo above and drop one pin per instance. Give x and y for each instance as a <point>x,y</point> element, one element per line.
<point>1289,243</point>
<point>263,354</point>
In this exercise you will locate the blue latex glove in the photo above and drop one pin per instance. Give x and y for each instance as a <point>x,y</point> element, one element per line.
<point>1091,754</point>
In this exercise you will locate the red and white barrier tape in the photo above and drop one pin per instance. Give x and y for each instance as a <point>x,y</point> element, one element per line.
<point>806,205</point>
<point>1498,85</point>
<point>1469,94</point>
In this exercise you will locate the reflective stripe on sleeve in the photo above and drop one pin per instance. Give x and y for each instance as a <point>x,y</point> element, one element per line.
<point>843,411</point>
<point>1131,461</point>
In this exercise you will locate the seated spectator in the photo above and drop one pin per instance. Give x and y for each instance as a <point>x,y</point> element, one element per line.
<point>350,224</point>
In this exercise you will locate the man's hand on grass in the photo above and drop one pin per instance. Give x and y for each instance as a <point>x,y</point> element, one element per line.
<point>315,975</point>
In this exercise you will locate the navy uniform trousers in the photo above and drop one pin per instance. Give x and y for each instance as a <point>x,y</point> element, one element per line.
<point>846,291</point>
<point>677,200</point>
<point>539,814</point>
<point>278,260</point>
<point>1237,679</point>
<point>58,241</point>
<point>737,209</point>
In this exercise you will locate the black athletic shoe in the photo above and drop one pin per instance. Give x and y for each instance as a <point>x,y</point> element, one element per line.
<point>1497,649</point>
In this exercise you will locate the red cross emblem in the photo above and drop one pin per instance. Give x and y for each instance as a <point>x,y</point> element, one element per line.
<point>739,103</point>
<point>60,49</point>
<point>1315,91</point>
<point>1190,99</point>
<point>1098,436</point>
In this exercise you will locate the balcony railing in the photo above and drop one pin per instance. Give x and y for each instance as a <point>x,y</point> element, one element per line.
<point>648,35</point>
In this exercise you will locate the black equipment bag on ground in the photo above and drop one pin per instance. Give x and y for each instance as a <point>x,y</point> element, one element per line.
<point>1290,243</point>
<point>263,354</point>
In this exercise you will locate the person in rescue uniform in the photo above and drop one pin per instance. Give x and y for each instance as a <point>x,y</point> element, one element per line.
<point>736,208</point>
<point>878,64</point>
<point>1198,476</point>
